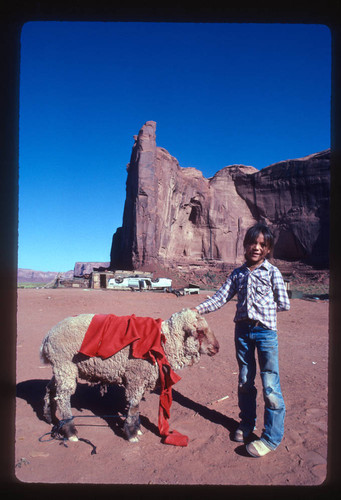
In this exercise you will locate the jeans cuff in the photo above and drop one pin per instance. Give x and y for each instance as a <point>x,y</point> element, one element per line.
<point>269,445</point>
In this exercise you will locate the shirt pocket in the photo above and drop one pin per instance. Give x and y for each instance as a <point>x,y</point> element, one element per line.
<point>264,294</point>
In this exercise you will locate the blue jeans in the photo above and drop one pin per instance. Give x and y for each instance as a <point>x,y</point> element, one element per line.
<point>247,339</point>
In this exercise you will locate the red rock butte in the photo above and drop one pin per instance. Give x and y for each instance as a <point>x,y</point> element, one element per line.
<point>175,216</point>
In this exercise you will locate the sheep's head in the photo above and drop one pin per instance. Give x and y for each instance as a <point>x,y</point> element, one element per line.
<point>197,328</point>
<point>187,337</point>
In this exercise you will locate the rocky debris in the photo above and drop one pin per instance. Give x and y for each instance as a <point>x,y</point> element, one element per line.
<point>300,276</point>
<point>175,216</point>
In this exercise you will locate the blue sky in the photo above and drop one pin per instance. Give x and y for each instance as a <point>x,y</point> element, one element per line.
<point>221,94</point>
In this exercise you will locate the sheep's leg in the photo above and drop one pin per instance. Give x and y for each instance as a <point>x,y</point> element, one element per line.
<point>66,383</point>
<point>49,394</point>
<point>132,423</point>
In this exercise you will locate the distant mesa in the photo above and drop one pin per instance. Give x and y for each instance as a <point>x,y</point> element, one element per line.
<point>31,276</point>
<point>174,216</point>
<point>81,270</point>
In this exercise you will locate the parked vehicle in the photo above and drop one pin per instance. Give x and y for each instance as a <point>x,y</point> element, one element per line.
<point>161,283</point>
<point>139,283</point>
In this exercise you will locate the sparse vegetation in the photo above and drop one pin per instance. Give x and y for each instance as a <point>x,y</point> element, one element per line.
<point>316,289</point>
<point>312,284</point>
<point>30,284</point>
<point>210,277</point>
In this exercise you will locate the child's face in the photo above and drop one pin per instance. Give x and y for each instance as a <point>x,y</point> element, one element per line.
<point>256,252</point>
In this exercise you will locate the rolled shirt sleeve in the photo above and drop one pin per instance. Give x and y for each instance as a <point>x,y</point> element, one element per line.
<point>280,292</point>
<point>223,295</point>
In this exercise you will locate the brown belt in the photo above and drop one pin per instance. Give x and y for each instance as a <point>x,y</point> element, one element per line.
<point>253,322</point>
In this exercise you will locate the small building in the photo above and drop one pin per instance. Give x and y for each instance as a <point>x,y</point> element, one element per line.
<point>85,269</point>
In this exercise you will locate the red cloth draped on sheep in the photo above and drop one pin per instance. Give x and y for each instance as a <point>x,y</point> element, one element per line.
<point>107,334</point>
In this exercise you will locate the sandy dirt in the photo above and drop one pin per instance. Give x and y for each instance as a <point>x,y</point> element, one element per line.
<point>204,403</point>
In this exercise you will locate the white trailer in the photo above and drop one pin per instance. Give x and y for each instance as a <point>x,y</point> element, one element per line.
<point>139,283</point>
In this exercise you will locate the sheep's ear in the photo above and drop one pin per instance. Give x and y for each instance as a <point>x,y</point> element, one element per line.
<point>187,334</point>
<point>191,332</point>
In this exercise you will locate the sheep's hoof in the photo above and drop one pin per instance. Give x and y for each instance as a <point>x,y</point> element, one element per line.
<point>73,438</point>
<point>134,439</point>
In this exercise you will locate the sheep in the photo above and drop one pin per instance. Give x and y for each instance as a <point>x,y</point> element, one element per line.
<point>187,336</point>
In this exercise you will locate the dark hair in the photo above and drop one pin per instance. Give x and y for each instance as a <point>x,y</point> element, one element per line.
<point>253,232</point>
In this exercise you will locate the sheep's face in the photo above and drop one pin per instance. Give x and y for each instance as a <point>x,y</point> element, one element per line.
<point>201,332</point>
<point>187,337</point>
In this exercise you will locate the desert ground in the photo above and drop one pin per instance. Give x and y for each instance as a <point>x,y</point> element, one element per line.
<point>204,403</point>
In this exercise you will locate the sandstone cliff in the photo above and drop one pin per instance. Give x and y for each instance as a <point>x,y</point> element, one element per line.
<point>176,216</point>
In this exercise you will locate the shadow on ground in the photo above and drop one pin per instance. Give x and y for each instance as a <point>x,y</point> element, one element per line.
<point>111,406</point>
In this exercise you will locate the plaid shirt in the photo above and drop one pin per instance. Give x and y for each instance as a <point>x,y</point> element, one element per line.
<point>261,293</point>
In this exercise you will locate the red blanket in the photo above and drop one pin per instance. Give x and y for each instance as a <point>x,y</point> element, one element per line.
<point>108,334</point>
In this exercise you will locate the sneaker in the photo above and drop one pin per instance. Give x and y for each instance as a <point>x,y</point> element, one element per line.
<point>257,448</point>
<point>240,435</point>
